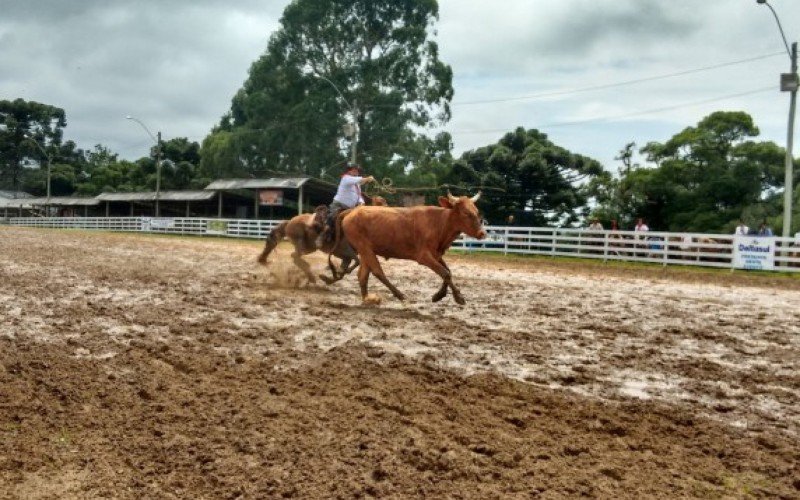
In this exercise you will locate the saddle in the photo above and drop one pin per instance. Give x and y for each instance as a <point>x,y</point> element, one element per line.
<point>321,216</point>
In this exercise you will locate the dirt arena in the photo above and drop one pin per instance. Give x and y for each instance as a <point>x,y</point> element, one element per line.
<point>137,366</point>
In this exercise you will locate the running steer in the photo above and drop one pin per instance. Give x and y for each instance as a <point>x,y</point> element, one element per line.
<point>421,234</point>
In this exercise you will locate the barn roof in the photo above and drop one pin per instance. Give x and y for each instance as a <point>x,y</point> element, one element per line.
<point>12,195</point>
<point>163,196</point>
<point>272,182</point>
<point>14,203</point>
<point>62,201</point>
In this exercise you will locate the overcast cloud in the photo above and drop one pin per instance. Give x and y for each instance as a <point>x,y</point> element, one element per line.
<point>176,65</point>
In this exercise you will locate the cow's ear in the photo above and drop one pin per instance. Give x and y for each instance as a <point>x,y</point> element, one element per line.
<point>444,202</point>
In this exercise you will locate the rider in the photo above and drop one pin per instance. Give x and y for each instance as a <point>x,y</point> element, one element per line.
<point>348,195</point>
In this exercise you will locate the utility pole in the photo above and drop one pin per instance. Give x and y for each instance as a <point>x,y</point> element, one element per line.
<point>789,83</point>
<point>354,124</point>
<point>354,143</point>
<point>158,160</point>
<point>49,166</point>
<point>158,173</point>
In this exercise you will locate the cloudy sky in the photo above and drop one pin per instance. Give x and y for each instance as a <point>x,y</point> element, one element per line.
<point>535,63</point>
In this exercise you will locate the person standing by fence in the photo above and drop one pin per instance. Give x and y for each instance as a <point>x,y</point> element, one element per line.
<point>741,229</point>
<point>641,227</point>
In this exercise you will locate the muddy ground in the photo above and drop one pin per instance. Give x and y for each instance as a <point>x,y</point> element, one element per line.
<point>159,367</point>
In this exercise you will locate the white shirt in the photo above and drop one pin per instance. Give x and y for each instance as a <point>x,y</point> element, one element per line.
<point>349,191</point>
<point>641,227</point>
<point>742,229</point>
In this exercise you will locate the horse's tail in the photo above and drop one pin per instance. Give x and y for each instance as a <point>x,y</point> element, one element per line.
<point>338,238</point>
<point>275,236</point>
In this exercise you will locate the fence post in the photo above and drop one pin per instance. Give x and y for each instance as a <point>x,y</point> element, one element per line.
<point>664,249</point>
<point>553,247</point>
<point>505,241</point>
<point>605,246</point>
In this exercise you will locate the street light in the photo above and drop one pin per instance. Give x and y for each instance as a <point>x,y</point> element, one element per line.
<point>789,83</point>
<point>158,159</point>
<point>352,129</point>
<point>49,164</point>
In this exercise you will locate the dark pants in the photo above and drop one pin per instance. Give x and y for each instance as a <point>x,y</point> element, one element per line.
<point>333,211</point>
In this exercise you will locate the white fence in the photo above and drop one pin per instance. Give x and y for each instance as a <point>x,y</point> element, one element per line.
<point>237,228</point>
<point>692,249</point>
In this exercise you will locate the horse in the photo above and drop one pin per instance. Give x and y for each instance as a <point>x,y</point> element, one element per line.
<point>303,231</point>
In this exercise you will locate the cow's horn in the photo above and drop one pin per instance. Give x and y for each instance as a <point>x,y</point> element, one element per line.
<point>452,198</point>
<point>476,197</point>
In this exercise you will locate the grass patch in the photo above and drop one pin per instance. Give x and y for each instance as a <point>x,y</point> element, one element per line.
<point>640,269</point>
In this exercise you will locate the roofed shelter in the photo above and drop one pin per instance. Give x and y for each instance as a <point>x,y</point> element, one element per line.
<point>67,205</point>
<point>283,195</point>
<point>175,203</point>
<point>14,200</point>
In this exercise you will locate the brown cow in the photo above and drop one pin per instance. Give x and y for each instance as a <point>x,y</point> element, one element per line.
<point>302,230</point>
<point>421,234</point>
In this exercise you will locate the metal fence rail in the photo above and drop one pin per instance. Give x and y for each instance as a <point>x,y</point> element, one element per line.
<point>692,249</point>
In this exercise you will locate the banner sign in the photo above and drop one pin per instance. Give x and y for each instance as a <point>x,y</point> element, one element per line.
<point>271,197</point>
<point>754,252</point>
<point>162,223</point>
<point>217,227</point>
<point>150,223</point>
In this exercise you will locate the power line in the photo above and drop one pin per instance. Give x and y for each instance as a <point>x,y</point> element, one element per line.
<point>627,115</point>
<point>616,84</point>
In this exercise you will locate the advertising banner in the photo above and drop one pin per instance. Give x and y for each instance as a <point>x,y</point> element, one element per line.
<point>271,197</point>
<point>754,252</point>
<point>162,223</point>
<point>217,227</point>
<point>150,223</point>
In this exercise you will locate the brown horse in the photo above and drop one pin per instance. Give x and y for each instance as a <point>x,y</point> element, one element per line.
<point>303,230</point>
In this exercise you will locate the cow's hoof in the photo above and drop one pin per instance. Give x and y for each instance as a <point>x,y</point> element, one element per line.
<point>372,299</point>
<point>438,296</point>
<point>459,299</point>
<point>327,279</point>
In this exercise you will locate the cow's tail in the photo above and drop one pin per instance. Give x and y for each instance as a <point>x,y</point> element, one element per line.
<point>337,239</point>
<point>275,236</point>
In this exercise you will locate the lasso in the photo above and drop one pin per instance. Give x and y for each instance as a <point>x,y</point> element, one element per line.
<point>386,185</point>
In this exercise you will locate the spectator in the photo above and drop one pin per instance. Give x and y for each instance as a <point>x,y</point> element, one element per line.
<point>510,220</point>
<point>595,225</point>
<point>764,229</point>
<point>615,244</point>
<point>741,229</point>
<point>641,227</point>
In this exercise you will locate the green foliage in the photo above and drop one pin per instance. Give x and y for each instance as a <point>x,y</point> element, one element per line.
<point>22,122</point>
<point>703,179</point>
<point>289,115</point>
<point>537,181</point>
<point>103,171</point>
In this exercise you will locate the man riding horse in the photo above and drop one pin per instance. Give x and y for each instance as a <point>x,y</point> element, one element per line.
<point>348,195</point>
<point>310,232</point>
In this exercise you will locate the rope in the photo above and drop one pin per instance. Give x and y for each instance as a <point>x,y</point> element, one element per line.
<point>386,185</point>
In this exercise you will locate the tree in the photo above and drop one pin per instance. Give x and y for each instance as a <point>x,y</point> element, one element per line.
<point>21,122</point>
<point>702,179</point>
<point>180,160</point>
<point>525,174</point>
<point>331,63</point>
